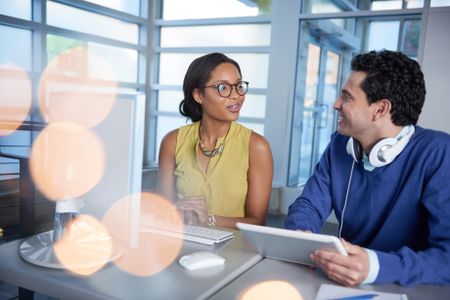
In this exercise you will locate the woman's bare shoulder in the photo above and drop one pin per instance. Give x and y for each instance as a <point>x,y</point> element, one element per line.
<point>258,142</point>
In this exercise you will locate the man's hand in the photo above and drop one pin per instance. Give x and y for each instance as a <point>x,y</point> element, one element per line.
<point>347,270</point>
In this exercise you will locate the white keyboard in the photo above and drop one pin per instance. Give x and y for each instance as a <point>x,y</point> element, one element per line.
<point>194,233</point>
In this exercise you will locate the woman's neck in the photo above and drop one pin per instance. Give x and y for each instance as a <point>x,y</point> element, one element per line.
<point>210,132</point>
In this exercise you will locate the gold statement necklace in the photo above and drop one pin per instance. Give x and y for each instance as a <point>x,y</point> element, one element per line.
<point>213,152</point>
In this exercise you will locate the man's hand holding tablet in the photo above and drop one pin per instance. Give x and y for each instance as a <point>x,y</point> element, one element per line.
<point>348,270</point>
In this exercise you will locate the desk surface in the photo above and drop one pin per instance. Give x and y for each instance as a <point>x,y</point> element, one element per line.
<point>112,283</point>
<point>243,270</point>
<point>307,282</point>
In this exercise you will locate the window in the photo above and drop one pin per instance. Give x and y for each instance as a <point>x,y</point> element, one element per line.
<point>93,23</point>
<point>382,5</point>
<point>205,9</point>
<point>16,47</point>
<point>395,4</point>
<point>244,35</point>
<point>440,3</point>
<point>383,35</point>
<point>121,62</point>
<point>18,9</point>
<point>128,6</point>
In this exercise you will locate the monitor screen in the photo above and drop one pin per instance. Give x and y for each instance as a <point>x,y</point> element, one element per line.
<point>121,133</point>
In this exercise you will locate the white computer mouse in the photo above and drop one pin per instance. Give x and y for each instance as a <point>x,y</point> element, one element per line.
<point>201,259</point>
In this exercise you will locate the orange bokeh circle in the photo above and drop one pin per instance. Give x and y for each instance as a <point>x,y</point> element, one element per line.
<point>68,91</point>
<point>269,290</point>
<point>66,160</point>
<point>15,97</point>
<point>145,253</point>
<point>85,247</point>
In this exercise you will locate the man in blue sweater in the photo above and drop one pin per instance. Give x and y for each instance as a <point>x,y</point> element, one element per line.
<point>387,180</point>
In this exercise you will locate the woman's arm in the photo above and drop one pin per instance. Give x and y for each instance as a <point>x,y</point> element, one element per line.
<point>260,175</point>
<point>166,166</point>
<point>167,183</point>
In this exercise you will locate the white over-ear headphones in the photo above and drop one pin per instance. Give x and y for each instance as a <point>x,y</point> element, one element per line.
<point>384,152</point>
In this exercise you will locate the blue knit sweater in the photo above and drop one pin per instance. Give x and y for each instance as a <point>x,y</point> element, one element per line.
<point>401,211</point>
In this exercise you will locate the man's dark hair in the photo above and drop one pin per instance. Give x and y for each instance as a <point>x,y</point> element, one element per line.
<point>197,75</point>
<point>394,76</point>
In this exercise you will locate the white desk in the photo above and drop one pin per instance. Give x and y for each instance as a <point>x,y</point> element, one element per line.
<point>112,283</point>
<point>243,269</point>
<point>307,282</point>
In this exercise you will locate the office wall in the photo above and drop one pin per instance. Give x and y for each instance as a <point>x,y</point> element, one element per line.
<point>436,67</point>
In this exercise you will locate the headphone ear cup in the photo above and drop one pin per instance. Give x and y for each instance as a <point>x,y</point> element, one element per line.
<point>386,150</point>
<point>380,155</point>
<point>354,149</point>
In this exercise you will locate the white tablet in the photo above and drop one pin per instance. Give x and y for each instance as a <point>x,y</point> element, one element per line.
<point>289,245</point>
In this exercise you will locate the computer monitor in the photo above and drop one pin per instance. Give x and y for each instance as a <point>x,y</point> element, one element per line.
<point>121,134</point>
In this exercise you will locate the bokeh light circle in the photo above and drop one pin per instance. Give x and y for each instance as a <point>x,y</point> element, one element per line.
<point>69,90</point>
<point>85,247</point>
<point>269,290</point>
<point>15,97</point>
<point>145,253</point>
<point>66,160</point>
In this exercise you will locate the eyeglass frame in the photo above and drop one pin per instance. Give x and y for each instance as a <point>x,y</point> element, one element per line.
<point>233,86</point>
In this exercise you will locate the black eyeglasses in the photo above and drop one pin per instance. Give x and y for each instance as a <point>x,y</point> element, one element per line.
<point>224,88</point>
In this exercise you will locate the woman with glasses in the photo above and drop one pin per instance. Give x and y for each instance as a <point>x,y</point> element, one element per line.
<point>218,171</point>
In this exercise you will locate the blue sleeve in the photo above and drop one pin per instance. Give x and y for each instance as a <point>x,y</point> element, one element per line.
<point>430,265</point>
<point>311,209</point>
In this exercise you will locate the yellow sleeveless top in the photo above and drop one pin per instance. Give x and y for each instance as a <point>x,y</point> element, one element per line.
<point>224,184</point>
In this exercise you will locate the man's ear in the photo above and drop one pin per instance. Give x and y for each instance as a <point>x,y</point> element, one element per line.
<point>383,109</point>
<point>198,96</point>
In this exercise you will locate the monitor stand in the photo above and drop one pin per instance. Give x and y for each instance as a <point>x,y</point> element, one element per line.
<point>38,249</point>
<point>89,247</point>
